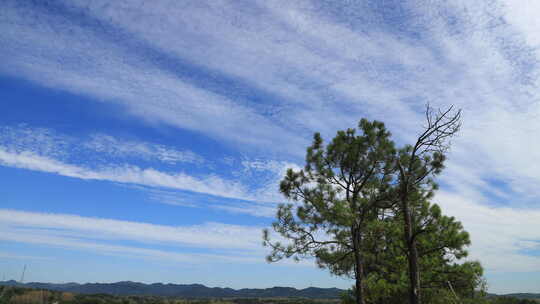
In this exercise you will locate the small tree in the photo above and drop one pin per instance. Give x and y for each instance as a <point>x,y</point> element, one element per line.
<point>441,245</point>
<point>340,191</point>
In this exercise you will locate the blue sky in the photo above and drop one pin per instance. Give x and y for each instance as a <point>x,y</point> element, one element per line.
<point>145,140</point>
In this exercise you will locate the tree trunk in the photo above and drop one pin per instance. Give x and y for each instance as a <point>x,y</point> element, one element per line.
<point>414,273</point>
<point>359,267</point>
<point>359,286</point>
<point>414,276</point>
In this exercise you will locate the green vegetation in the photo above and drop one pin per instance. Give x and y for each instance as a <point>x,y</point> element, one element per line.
<point>362,208</point>
<point>508,300</point>
<point>18,295</point>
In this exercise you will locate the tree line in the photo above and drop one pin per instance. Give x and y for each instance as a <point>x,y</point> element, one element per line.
<point>363,208</point>
<point>18,295</point>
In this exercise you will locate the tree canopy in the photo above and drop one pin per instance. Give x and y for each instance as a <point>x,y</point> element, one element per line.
<point>362,209</point>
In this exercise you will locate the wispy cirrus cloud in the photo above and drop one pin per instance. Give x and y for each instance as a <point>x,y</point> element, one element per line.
<point>222,241</point>
<point>41,149</point>
<point>114,147</point>
<point>47,142</point>
<point>209,235</point>
<point>140,81</point>
<point>131,174</point>
<point>501,235</point>
<point>267,208</point>
<point>325,64</point>
<point>107,158</point>
<point>12,255</point>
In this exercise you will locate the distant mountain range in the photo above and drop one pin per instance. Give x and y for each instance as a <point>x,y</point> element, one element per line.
<point>200,291</point>
<point>181,290</point>
<point>531,296</point>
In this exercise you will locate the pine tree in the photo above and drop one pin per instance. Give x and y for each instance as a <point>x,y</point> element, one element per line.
<point>441,244</point>
<point>339,192</point>
<point>417,164</point>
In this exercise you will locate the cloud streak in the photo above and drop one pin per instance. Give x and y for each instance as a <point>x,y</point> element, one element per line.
<point>47,142</point>
<point>107,158</point>
<point>112,146</point>
<point>225,242</point>
<point>126,174</point>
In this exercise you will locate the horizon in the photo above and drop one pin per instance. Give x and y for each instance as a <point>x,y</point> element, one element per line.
<point>146,141</point>
<point>162,283</point>
<point>190,284</point>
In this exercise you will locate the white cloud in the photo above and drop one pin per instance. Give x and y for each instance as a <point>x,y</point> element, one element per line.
<point>122,148</point>
<point>81,60</point>
<point>261,210</point>
<point>264,209</point>
<point>327,73</point>
<point>117,250</point>
<point>171,198</point>
<point>16,256</point>
<point>41,141</point>
<point>499,235</point>
<point>104,157</point>
<point>47,142</point>
<point>126,174</point>
<point>220,241</point>
<point>268,174</point>
<point>522,14</point>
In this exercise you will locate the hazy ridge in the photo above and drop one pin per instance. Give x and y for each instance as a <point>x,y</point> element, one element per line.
<point>181,290</point>
<point>200,291</point>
